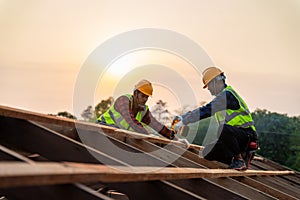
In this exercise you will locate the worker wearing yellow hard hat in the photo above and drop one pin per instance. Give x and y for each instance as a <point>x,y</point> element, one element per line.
<point>237,138</point>
<point>209,74</point>
<point>130,112</point>
<point>145,87</point>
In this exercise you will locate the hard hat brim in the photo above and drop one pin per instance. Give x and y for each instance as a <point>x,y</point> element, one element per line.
<point>145,93</point>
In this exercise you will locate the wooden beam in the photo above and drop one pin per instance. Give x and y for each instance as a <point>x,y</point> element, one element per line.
<point>284,184</point>
<point>161,153</point>
<point>24,133</point>
<point>31,138</point>
<point>208,190</point>
<point>278,183</point>
<point>153,190</point>
<point>44,138</point>
<point>69,191</point>
<point>265,188</point>
<point>28,115</point>
<point>50,192</point>
<point>175,149</point>
<point>225,186</point>
<point>124,135</point>
<point>153,139</point>
<point>120,150</point>
<point>14,174</point>
<point>220,186</point>
<point>262,185</point>
<point>43,118</point>
<point>12,155</point>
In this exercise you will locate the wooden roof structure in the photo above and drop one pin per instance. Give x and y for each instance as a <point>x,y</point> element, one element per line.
<point>47,157</point>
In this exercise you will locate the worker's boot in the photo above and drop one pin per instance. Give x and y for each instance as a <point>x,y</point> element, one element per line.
<point>237,164</point>
<point>248,157</point>
<point>249,154</point>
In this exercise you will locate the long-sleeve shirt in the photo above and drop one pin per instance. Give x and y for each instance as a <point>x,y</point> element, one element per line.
<point>123,106</point>
<point>224,100</point>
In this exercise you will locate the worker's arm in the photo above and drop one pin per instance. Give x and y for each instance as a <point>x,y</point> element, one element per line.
<point>224,100</point>
<point>157,126</point>
<point>122,105</point>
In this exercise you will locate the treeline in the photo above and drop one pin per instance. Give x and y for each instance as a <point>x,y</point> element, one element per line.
<point>278,136</point>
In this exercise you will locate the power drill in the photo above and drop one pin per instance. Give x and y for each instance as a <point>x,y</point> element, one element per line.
<point>184,130</point>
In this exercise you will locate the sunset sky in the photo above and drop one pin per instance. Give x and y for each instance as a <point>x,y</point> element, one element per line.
<point>46,44</point>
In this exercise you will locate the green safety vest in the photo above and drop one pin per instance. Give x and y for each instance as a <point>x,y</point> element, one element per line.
<point>238,118</point>
<point>113,117</point>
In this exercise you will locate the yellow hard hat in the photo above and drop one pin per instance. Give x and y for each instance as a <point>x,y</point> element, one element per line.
<point>145,87</point>
<point>209,74</point>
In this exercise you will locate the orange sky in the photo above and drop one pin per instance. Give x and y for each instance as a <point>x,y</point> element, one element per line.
<point>45,43</point>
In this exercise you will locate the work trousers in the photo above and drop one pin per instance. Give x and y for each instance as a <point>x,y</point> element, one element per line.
<point>231,142</point>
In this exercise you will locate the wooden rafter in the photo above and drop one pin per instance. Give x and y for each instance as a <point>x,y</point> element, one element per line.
<point>21,174</point>
<point>33,116</point>
<point>240,187</point>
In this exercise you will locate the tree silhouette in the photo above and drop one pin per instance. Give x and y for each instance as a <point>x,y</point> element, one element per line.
<point>66,114</point>
<point>88,113</point>
<point>160,112</point>
<point>278,137</point>
<point>103,106</point>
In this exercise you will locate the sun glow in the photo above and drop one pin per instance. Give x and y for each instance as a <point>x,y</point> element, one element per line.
<point>122,65</point>
<point>162,68</point>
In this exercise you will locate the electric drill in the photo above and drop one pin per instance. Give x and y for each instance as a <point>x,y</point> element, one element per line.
<point>183,130</point>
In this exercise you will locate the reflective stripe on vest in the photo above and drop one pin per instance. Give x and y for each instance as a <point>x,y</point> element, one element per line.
<point>238,118</point>
<point>113,117</point>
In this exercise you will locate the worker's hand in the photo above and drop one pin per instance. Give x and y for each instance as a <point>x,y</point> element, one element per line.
<point>178,126</point>
<point>179,118</point>
<point>185,142</point>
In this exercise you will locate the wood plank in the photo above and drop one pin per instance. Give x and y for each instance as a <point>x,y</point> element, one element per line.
<point>33,133</point>
<point>191,156</point>
<point>70,191</point>
<point>15,156</point>
<point>120,150</point>
<point>173,149</point>
<point>209,190</point>
<point>93,127</point>
<point>21,174</point>
<point>265,188</point>
<point>110,147</point>
<point>26,129</point>
<point>153,190</point>
<point>43,118</point>
<point>29,115</point>
<point>259,186</point>
<point>31,138</point>
<point>153,139</point>
<point>267,164</point>
<point>277,182</point>
<point>189,159</point>
<point>242,189</point>
<point>287,184</point>
<point>51,192</point>
<point>161,153</point>
<point>262,187</point>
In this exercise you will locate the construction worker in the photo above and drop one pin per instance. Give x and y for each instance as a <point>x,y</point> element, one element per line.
<point>130,112</point>
<point>236,127</point>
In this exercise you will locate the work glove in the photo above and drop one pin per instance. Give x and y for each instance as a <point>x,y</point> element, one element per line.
<point>179,118</point>
<point>185,142</point>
